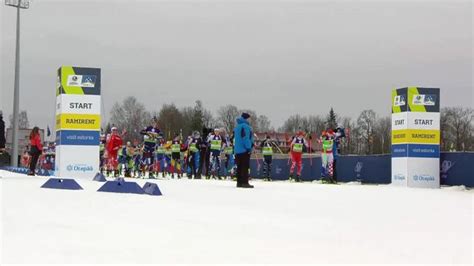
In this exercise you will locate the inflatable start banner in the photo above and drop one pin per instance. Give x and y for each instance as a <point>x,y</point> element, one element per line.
<point>415,137</point>
<point>77,122</point>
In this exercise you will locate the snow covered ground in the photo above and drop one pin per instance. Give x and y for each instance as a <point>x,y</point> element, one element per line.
<point>202,221</point>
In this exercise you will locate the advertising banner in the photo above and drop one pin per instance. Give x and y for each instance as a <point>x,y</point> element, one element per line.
<point>77,121</point>
<point>415,137</point>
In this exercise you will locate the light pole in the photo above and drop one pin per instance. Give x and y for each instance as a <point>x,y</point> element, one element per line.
<point>19,4</point>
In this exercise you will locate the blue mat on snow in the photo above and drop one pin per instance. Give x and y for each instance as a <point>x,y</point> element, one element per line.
<point>99,177</point>
<point>121,186</point>
<point>152,189</point>
<point>62,183</point>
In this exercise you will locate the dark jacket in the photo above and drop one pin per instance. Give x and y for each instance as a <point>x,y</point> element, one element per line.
<point>2,133</point>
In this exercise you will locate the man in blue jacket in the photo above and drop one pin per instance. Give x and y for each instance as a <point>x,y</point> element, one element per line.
<point>243,145</point>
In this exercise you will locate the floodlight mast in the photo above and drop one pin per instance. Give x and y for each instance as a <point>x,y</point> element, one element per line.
<point>19,4</point>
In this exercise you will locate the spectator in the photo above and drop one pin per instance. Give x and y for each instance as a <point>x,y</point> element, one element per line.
<point>2,132</point>
<point>35,150</point>
<point>113,145</point>
<point>243,148</point>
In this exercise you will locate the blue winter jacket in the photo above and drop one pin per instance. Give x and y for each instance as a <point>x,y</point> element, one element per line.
<point>243,137</point>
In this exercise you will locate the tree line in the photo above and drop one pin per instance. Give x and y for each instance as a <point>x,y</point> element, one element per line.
<point>132,116</point>
<point>369,133</point>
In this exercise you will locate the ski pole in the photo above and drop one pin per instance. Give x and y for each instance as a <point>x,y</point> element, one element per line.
<point>289,156</point>
<point>255,152</point>
<point>310,157</point>
<point>276,146</point>
<point>256,157</point>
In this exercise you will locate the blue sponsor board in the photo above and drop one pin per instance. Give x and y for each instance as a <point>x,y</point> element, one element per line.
<point>423,151</point>
<point>400,150</point>
<point>456,169</point>
<point>78,137</point>
<point>415,150</point>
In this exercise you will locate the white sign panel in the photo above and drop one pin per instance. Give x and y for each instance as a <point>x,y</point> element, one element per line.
<point>400,121</point>
<point>428,121</point>
<point>73,104</point>
<point>423,172</point>
<point>400,171</point>
<point>75,161</point>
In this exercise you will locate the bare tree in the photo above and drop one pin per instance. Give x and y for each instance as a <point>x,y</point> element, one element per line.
<point>366,123</point>
<point>227,115</point>
<point>208,120</point>
<point>348,145</point>
<point>457,125</point>
<point>263,124</point>
<point>357,139</point>
<point>294,123</point>
<point>23,122</point>
<point>370,134</point>
<point>130,115</point>
<point>446,136</point>
<point>171,120</point>
<point>315,124</point>
<point>382,135</point>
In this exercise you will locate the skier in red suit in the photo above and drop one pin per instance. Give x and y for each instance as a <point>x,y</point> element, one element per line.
<point>114,144</point>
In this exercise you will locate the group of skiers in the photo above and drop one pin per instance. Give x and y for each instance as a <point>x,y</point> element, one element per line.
<point>198,156</point>
<point>194,156</point>
<point>330,147</point>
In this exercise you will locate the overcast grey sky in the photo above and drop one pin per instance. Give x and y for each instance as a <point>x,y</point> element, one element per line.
<point>278,58</point>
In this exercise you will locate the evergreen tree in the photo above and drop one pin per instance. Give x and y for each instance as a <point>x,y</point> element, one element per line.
<point>332,119</point>
<point>197,119</point>
<point>108,128</point>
